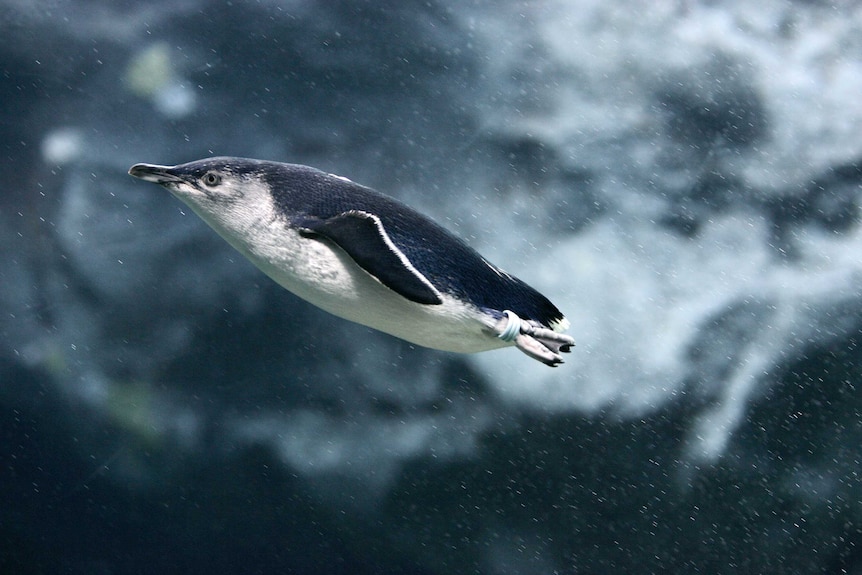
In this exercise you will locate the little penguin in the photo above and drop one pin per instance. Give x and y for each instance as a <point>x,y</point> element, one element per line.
<point>365,256</point>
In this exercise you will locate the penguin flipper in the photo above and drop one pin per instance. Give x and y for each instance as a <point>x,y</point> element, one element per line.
<point>362,236</point>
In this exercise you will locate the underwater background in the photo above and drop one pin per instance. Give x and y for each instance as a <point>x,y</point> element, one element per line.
<point>682,178</point>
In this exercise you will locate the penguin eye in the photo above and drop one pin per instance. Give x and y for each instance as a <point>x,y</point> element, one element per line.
<point>211,179</point>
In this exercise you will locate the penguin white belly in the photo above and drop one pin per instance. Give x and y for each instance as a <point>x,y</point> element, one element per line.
<point>325,276</point>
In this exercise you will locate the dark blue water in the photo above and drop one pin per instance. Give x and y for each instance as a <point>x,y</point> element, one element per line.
<point>681,180</point>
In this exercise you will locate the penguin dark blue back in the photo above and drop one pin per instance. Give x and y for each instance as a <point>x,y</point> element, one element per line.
<point>445,260</point>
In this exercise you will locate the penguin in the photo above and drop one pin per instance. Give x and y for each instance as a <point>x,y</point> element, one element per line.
<point>364,256</point>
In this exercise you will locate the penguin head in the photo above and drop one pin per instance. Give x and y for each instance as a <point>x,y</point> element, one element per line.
<point>230,194</point>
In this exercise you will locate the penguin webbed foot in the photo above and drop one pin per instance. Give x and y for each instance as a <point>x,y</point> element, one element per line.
<point>535,340</point>
<point>543,344</point>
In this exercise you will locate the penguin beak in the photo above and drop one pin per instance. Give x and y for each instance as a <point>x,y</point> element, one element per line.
<point>157,174</point>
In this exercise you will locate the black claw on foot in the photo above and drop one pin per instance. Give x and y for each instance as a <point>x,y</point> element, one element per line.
<point>535,340</point>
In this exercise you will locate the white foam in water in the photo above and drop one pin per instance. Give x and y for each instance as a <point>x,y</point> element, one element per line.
<point>639,300</point>
<point>62,146</point>
<point>175,100</point>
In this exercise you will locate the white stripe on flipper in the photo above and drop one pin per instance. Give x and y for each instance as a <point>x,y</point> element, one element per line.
<point>405,261</point>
